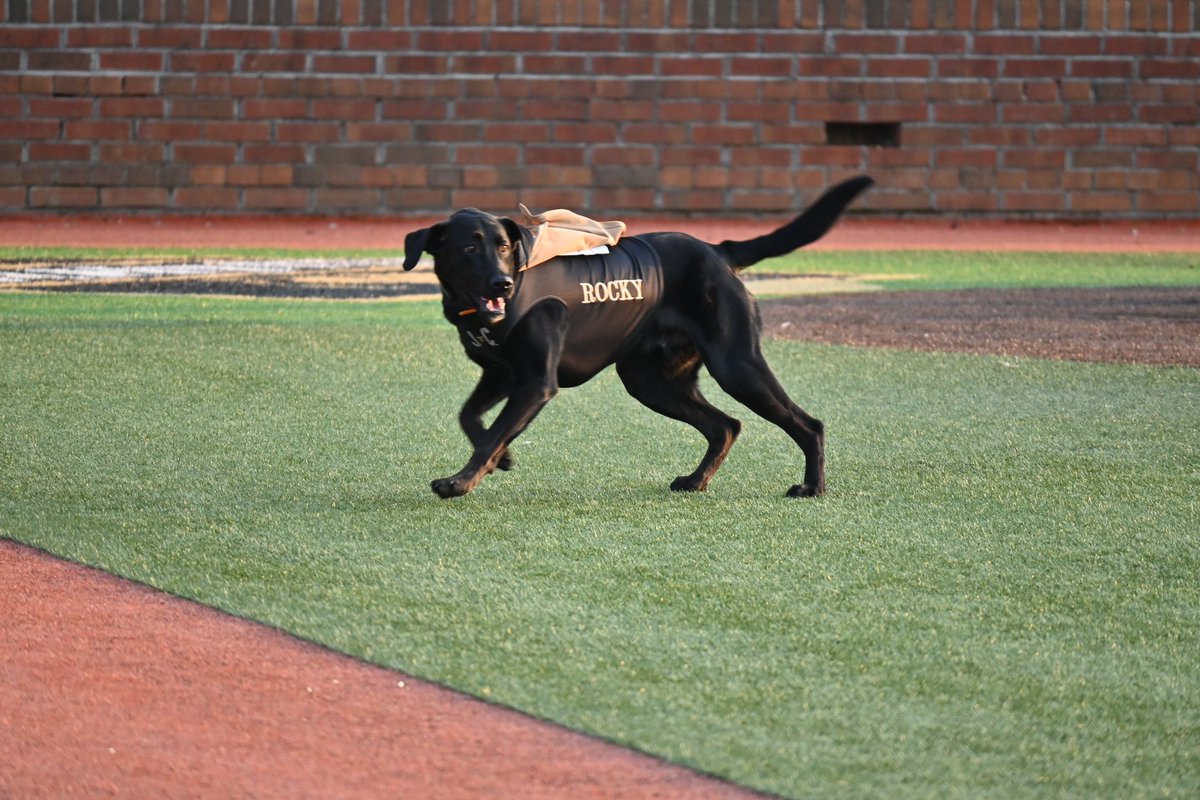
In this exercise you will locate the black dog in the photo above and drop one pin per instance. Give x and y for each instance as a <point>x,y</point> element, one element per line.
<point>658,306</point>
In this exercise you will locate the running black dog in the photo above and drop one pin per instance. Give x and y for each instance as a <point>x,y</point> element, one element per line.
<point>657,305</point>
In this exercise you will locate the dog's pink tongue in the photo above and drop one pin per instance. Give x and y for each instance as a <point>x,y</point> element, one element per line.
<point>496,306</point>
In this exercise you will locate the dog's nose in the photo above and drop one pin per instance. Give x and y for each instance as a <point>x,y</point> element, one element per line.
<point>502,284</point>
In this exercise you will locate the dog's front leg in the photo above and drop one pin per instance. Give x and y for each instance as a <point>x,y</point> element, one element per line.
<point>533,352</point>
<point>494,385</point>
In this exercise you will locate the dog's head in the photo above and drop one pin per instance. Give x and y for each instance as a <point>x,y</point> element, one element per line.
<point>475,257</point>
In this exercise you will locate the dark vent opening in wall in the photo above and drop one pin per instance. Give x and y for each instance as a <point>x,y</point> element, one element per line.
<point>863,134</point>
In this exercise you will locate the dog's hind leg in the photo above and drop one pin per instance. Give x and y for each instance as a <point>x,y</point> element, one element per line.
<point>728,342</point>
<point>675,394</point>
<point>749,380</point>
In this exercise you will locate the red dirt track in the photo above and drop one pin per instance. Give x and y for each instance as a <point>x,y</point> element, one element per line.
<point>850,234</point>
<point>113,689</point>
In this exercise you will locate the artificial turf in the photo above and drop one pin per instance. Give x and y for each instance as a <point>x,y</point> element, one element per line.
<point>998,597</point>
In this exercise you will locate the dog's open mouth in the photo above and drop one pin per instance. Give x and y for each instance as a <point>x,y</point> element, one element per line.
<point>494,306</point>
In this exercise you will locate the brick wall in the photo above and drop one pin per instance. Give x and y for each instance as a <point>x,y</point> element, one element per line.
<point>1062,108</point>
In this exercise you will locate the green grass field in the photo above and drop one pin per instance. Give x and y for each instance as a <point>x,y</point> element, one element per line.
<point>997,598</point>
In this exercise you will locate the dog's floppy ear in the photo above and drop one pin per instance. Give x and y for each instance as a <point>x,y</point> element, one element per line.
<point>517,237</point>
<point>426,240</point>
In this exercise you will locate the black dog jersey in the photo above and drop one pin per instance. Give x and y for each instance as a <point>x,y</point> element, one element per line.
<point>608,296</point>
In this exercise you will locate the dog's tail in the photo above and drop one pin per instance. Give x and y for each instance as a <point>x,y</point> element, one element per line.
<point>804,229</point>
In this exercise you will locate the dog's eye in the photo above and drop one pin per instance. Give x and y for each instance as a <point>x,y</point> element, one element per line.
<point>503,248</point>
<point>470,248</point>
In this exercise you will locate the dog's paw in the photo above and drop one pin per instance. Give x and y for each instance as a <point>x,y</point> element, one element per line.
<point>450,487</point>
<point>687,483</point>
<point>806,490</point>
<point>506,461</point>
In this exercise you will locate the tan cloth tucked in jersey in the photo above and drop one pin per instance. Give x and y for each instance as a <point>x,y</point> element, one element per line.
<point>560,232</point>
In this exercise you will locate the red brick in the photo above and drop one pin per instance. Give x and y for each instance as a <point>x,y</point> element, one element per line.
<point>276,199</point>
<point>274,108</point>
<point>1172,115</point>
<point>274,62</point>
<point>202,62</point>
<point>829,66</point>
<point>556,154</point>
<point>793,42</point>
<point>1004,44</point>
<point>1034,68</point>
<point>308,39</point>
<point>689,65</point>
<point>60,107</point>
<point>619,65</point>
<point>866,43</point>
<point>97,130</point>
<point>20,37</point>
<point>202,108</point>
<point>1178,69</point>
<point>726,42</point>
<point>205,153</point>
<point>1109,202</point>
<point>273,153</point>
<point>758,112</point>
<point>624,199</point>
<point>553,64</point>
<point>527,41</point>
<point>896,112</point>
<point>12,197</point>
<point>768,66</point>
<point>1032,113</point>
<point>1052,45</point>
<point>92,37</point>
<point>724,134</point>
<point>344,64</point>
<point>497,199</point>
<point>131,152</point>
<point>139,107</point>
<point>59,61</point>
<point>378,132</point>
<point>343,109</point>
<point>967,157</point>
<point>1101,68</point>
<point>832,156</point>
<point>209,197</point>
<point>62,197</point>
<point>134,197</point>
<point>796,134</point>
<point>450,40</point>
<point>761,201</point>
<point>1139,46</point>
<point>936,43</point>
<point>384,40</point>
<point>238,131</point>
<point>171,38</point>
<point>589,42</point>
<point>624,155</point>
<point>1033,201</point>
<point>1160,202</point>
<point>59,151</point>
<point>894,68</point>
<point>239,38</point>
<point>968,68</point>
<point>660,42</point>
<point>1101,112</point>
<point>1148,136</point>
<point>966,114</point>
<point>1034,159</point>
<point>1070,137</point>
<point>585,132</point>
